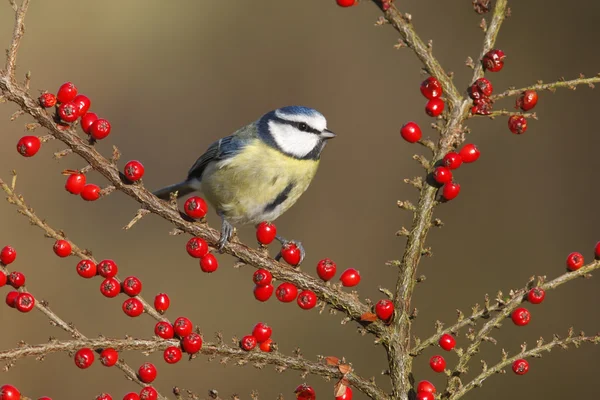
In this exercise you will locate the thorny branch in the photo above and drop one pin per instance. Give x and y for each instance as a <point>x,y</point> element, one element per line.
<point>552,86</point>
<point>535,352</point>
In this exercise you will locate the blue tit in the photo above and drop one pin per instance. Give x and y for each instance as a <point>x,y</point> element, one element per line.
<point>261,170</point>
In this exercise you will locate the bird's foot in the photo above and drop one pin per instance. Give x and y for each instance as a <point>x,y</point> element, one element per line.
<point>298,244</point>
<point>227,232</point>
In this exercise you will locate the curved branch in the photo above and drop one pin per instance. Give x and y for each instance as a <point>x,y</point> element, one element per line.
<point>336,298</point>
<point>552,86</point>
<point>535,352</point>
<point>18,31</point>
<point>243,357</point>
<point>491,35</point>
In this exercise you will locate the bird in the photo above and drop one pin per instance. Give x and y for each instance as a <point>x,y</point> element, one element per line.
<point>260,171</point>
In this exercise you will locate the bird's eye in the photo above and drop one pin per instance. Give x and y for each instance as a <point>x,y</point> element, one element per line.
<point>302,126</point>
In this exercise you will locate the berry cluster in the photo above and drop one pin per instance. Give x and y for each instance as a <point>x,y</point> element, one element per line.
<point>198,248</point>
<point>261,335</point>
<point>21,300</point>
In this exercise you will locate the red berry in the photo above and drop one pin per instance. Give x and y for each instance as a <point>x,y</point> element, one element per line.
<point>148,393</point>
<point>527,100</point>
<point>162,302</point>
<point>68,112</point>
<point>11,297</point>
<point>305,392</point>
<point>248,342</point>
<point>481,88</point>
<point>164,330</point>
<point>517,124</point>
<point>147,372</point>
<point>3,279</point>
<point>597,251</point>
<point>83,103</point>
<point>347,395</point>
<point>536,295</point>
<point>262,277</point>
<point>469,153</point>
<point>267,346</point>
<point>134,170</point>
<point>104,396</point>
<point>107,268</point>
<point>482,106</point>
<point>75,183</point>
<point>84,358</point>
<point>447,342</point>
<point>286,292</point>
<point>574,261</point>
<point>110,287</point>
<point>195,207</point>
<point>425,396</point>
<point>7,255</point>
<point>521,316</point>
<point>192,343</point>
<point>493,60</point>
<point>9,392</point>
<point>131,396</point>
<point>28,146</point>
<point>62,248</point>
<point>307,299</point>
<point>384,309</point>
<point>437,363</point>
<point>16,279</point>
<point>100,129</point>
<point>109,357</point>
<point>345,3</point>
<point>66,92</point>
<point>520,367</point>
<point>434,107</point>
<point>442,175</point>
<point>431,88</point>
<point>263,292</point>
<point>426,386</point>
<point>133,307</point>
<point>24,302</point>
<point>90,192</point>
<point>291,253</point>
<point>265,232</point>
<point>86,269</point>
<point>182,326</point>
<point>452,160</point>
<point>350,277</point>
<point>172,355</point>
<point>450,190</point>
<point>326,269</point>
<point>87,120</point>
<point>209,263</point>
<point>132,286</point>
<point>411,132</point>
<point>47,100</point>
<point>197,247</point>
<point>261,332</point>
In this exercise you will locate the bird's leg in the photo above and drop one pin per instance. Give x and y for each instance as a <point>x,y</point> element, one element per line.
<point>284,241</point>
<point>226,231</point>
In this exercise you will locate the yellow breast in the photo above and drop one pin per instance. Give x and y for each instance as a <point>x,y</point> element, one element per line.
<point>258,184</point>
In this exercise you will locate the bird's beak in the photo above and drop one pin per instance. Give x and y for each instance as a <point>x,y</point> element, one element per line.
<point>327,134</point>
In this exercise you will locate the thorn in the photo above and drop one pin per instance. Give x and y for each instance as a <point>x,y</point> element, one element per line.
<point>139,215</point>
<point>107,190</point>
<point>45,138</point>
<point>437,223</point>
<point>387,292</point>
<point>407,17</point>
<point>469,63</point>
<point>16,115</point>
<point>60,154</point>
<point>381,21</point>
<point>403,232</point>
<point>416,182</point>
<point>483,25</point>
<point>430,45</point>
<point>401,43</point>
<point>406,205</point>
<point>116,155</point>
<point>27,80</point>
<point>32,127</point>
<point>422,278</point>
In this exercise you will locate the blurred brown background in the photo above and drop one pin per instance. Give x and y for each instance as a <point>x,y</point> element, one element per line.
<point>174,76</point>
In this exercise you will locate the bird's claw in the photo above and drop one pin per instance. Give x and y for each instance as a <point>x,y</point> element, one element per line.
<point>298,244</point>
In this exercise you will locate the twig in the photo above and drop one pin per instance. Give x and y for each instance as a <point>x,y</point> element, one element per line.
<point>550,86</point>
<point>242,357</point>
<point>535,352</point>
<point>490,36</point>
<point>500,113</point>
<point>19,30</point>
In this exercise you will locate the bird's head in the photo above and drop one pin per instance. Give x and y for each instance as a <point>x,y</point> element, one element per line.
<point>299,132</point>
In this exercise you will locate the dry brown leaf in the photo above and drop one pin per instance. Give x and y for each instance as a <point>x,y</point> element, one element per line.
<point>369,317</point>
<point>331,360</point>
<point>345,368</point>
<point>339,389</point>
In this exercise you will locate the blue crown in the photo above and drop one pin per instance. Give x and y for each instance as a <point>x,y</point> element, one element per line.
<point>299,110</point>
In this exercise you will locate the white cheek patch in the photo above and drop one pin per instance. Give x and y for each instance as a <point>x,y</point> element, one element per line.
<point>316,121</point>
<point>291,140</point>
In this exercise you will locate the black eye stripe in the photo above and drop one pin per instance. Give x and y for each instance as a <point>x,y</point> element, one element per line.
<point>301,126</point>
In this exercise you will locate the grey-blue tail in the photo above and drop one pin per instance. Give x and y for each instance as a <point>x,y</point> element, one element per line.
<point>182,188</point>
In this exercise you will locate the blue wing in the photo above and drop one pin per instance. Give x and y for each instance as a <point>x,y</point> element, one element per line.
<point>219,150</point>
